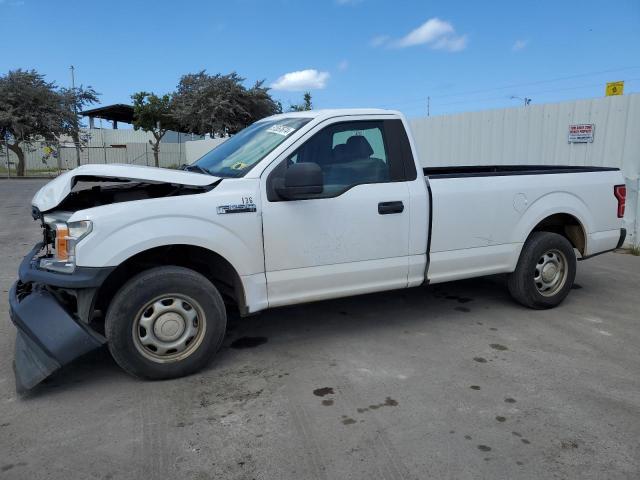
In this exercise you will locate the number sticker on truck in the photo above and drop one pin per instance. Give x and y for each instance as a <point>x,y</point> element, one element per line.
<point>281,130</point>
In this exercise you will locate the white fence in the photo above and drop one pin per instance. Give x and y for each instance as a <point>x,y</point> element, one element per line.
<point>538,135</point>
<point>197,148</point>
<point>99,146</point>
<point>53,158</point>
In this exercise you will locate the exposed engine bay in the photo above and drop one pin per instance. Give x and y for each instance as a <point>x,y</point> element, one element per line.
<point>91,192</point>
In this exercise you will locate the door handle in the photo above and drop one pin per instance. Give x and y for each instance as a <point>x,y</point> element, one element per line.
<point>385,208</point>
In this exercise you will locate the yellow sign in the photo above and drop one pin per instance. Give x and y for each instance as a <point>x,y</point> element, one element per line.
<point>614,88</point>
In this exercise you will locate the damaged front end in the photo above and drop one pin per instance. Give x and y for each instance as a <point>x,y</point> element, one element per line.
<point>53,303</point>
<point>45,341</point>
<point>51,313</point>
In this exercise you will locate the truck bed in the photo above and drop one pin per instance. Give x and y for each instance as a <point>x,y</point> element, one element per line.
<point>481,215</point>
<point>502,170</point>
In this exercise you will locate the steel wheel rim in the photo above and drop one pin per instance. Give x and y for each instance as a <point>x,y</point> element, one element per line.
<point>169,328</point>
<point>550,272</point>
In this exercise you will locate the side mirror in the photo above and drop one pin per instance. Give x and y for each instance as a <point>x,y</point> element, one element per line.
<point>301,180</point>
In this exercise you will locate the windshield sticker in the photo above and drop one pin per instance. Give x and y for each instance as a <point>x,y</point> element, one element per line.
<point>281,130</point>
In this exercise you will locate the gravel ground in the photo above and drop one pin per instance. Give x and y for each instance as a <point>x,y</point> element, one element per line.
<point>449,381</point>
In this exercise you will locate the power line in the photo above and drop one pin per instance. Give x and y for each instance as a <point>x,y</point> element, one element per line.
<point>457,102</point>
<point>539,82</point>
<point>515,85</point>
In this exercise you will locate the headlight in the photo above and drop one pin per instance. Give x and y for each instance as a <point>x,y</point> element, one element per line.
<point>67,237</point>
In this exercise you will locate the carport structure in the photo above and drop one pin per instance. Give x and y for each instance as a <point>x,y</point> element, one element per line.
<point>118,112</point>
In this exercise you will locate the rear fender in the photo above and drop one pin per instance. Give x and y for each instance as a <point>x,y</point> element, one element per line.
<point>551,204</point>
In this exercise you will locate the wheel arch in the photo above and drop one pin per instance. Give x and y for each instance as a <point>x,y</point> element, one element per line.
<point>559,212</point>
<point>212,265</point>
<point>567,225</point>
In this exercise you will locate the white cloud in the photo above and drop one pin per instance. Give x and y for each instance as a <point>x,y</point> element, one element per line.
<point>429,31</point>
<point>437,34</point>
<point>519,45</point>
<point>451,44</point>
<point>301,80</point>
<point>379,40</point>
<point>343,65</point>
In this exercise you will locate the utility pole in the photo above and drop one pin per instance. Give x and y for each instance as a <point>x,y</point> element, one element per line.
<point>428,106</point>
<point>76,142</point>
<point>73,77</point>
<point>525,100</point>
<point>6,149</point>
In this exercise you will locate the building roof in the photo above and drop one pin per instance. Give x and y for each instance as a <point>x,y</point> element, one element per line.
<point>118,113</point>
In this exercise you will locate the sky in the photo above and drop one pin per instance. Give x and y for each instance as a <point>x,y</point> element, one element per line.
<point>463,55</point>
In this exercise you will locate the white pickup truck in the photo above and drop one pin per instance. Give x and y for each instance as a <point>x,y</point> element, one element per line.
<point>296,208</point>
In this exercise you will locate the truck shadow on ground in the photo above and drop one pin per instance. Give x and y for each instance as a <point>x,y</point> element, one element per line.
<point>410,308</point>
<point>316,322</point>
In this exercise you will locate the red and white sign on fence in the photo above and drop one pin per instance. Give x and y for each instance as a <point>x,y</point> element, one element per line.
<point>581,133</point>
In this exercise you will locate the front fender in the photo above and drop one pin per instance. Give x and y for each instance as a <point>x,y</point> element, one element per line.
<point>132,239</point>
<point>125,229</point>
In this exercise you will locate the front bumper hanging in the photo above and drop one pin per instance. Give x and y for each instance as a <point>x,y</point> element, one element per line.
<point>48,336</point>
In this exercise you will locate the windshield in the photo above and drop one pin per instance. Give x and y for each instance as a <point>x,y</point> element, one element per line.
<point>236,156</point>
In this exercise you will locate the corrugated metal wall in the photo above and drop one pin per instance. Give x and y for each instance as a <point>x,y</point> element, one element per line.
<point>101,146</point>
<point>197,148</point>
<point>538,134</point>
<point>106,136</point>
<point>51,159</point>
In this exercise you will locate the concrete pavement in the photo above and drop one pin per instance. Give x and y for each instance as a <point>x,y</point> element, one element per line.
<point>449,381</point>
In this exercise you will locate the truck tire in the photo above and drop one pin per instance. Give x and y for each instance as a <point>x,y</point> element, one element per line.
<point>165,322</point>
<point>545,272</point>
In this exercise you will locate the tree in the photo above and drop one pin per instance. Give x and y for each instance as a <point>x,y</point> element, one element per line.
<point>152,113</point>
<point>220,104</point>
<point>34,110</point>
<point>74,100</point>
<point>29,110</point>
<point>304,106</point>
<point>259,103</point>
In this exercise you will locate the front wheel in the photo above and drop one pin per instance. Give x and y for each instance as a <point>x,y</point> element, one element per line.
<point>545,272</point>
<point>165,322</point>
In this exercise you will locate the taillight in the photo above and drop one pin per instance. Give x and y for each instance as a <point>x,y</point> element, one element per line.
<point>620,192</point>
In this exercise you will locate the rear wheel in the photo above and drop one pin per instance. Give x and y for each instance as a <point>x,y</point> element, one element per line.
<point>545,272</point>
<point>166,322</point>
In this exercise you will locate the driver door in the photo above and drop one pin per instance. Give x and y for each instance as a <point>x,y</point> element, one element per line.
<point>354,236</point>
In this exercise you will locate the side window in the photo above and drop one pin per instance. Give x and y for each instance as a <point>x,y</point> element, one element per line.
<point>349,154</point>
<point>373,136</point>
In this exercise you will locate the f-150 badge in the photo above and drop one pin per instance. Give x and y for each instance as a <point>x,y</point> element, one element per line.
<point>237,208</point>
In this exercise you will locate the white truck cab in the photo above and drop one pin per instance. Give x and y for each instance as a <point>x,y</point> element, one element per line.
<point>296,208</point>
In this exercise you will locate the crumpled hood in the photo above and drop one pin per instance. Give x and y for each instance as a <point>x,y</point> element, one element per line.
<point>58,189</point>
